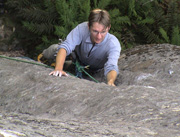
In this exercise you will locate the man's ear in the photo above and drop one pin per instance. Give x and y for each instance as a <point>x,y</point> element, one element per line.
<point>109,27</point>
<point>88,25</point>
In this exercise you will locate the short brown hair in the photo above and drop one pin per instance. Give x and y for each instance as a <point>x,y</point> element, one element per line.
<point>100,16</point>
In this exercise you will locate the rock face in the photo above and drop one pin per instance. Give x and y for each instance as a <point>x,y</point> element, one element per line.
<point>6,30</point>
<point>145,102</point>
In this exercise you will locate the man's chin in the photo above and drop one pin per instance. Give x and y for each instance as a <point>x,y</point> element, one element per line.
<point>97,42</point>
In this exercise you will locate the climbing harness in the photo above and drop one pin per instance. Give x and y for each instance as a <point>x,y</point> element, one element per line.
<point>79,68</point>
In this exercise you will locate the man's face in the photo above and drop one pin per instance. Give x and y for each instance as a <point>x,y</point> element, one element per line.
<point>98,32</point>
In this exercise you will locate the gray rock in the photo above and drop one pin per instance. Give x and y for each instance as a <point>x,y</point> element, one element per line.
<point>6,31</point>
<point>145,102</point>
<point>3,46</point>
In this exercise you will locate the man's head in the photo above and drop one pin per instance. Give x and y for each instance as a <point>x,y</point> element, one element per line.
<point>99,24</point>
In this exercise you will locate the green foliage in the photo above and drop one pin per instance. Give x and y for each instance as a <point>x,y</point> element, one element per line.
<point>164,35</point>
<point>175,36</point>
<point>70,13</point>
<point>170,29</point>
<point>41,23</point>
<point>146,21</point>
<point>102,4</point>
<point>34,19</point>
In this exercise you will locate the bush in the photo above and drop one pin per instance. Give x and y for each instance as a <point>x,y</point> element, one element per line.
<point>41,23</point>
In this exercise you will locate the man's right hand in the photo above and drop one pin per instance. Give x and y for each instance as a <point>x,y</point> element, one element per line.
<point>60,59</point>
<point>58,73</point>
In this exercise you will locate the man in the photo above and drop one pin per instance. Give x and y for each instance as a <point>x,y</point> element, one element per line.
<point>94,46</point>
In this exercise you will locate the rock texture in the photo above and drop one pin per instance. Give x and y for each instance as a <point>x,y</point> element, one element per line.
<point>6,30</point>
<point>145,102</point>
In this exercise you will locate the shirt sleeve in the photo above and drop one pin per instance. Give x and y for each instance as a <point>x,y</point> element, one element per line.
<point>72,40</point>
<point>113,56</point>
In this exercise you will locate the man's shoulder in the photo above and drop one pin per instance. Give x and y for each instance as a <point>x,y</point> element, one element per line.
<point>83,29</point>
<point>83,25</point>
<point>113,42</point>
<point>113,38</point>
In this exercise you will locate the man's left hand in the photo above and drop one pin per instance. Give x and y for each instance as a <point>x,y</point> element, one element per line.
<point>110,83</point>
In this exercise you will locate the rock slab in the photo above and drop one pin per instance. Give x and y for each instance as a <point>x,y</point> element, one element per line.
<point>145,102</point>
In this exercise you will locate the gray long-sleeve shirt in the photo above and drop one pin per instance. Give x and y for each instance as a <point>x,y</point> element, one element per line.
<point>104,54</point>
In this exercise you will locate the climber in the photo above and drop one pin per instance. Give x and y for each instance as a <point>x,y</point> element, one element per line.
<point>93,46</point>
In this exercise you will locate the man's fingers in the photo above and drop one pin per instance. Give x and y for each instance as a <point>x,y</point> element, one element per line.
<point>65,74</point>
<point>111,84</point>
<point>58,73</point>
<point>51,73</point>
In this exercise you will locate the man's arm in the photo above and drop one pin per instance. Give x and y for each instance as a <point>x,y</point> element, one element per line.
<point>60,59</point>
<point>111,77</point>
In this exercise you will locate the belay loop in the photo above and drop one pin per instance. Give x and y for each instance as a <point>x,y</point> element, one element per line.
<point>79,69</point>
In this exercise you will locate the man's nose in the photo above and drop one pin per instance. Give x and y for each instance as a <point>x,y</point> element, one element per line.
<point>99,35</point>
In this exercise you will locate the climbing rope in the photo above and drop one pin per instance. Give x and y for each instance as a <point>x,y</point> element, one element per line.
<point>79,68</point>
<point>29,62</point>
<point>24,61</point>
